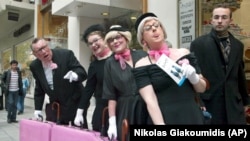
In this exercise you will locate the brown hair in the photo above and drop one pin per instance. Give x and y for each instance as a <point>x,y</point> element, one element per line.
<point>223,5</point>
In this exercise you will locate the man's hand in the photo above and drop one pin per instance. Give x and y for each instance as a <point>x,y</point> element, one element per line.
<point>72,76</point>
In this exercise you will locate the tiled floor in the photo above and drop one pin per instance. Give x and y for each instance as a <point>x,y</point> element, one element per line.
<point>10,132</point>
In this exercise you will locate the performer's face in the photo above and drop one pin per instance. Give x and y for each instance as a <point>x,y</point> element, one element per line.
<point>42,51</point>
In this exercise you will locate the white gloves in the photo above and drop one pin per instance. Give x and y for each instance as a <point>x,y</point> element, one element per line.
<point>112,131</point>
<point>190,73</point>
<point>79,118</point>
<point>72,76</point>
<point>38,115</point>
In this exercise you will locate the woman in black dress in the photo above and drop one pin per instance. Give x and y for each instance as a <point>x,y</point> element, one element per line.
<point>119,86</point>
<point>167,102</point>
<point>94,38</point>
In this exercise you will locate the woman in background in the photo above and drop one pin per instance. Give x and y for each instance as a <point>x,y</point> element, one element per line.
<point>26,84</point>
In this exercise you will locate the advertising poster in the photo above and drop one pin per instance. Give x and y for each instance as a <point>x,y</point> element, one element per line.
<point>186,22</point>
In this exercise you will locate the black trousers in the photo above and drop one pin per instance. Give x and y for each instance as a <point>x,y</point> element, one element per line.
<point>1,102</point>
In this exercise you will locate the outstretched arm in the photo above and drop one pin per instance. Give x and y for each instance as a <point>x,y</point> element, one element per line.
<point>151,101</point>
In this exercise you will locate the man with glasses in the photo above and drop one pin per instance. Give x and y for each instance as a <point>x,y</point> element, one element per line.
<point>58,74</point>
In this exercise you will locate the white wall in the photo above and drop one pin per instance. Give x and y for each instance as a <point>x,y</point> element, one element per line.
<point>167,11</point>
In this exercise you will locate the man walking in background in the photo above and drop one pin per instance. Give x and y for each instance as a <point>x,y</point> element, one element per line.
<point>12,80</point>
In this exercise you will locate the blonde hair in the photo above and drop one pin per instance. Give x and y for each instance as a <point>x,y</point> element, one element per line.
<point>117,29</point>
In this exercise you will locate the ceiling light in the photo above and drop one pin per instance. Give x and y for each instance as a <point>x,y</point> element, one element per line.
<point>105,13</point>
<point>133,18</point>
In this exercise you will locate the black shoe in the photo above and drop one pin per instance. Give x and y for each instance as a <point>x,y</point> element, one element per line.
<point>19,113</point>
<point>14,121</point>
<point>9,121</point>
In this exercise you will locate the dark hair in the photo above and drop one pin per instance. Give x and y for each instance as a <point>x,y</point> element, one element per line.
<point>13,62</point>
<point>223,5</point>
<point>143,16</point>
<point>97,28</point>
<point>34,41</point>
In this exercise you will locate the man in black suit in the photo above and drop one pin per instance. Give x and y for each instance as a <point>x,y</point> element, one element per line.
<point>220,57</point>
<point>58,74</point>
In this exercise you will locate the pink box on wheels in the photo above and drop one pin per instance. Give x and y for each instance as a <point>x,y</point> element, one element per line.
<point>71,133</point>
<point>32,130</point>
<point>65,133</point>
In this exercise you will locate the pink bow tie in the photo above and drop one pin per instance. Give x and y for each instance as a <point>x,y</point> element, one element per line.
<point>50,65</point>
<point>156,54</point>
<point>122,57</point>
<point>106,51</point>
<point>53,65</point>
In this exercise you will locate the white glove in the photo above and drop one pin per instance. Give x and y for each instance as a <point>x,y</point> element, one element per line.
<point>79,118</point>
<point>38,115</point>
<point>72,76</point>
<point>190,73</point>
<point>112,131</point>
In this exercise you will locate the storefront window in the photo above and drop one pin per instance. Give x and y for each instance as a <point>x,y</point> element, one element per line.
<point>6,58</point>
<point>55,30</point>
<point>24,57</point>
<point>22,53</point>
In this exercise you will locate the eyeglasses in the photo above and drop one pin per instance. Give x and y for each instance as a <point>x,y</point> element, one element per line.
<point>149,27</point>
<point>93,42</point>
<point>39,51</point>
<point>112,39</point>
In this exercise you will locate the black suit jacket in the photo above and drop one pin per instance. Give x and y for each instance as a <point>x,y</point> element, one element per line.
<point>231,83</point>
<point>65,93</point>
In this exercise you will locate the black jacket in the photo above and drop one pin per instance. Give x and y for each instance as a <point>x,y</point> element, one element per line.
<point>6,81</point>
<point>65,93</point>
<point>230,83</point>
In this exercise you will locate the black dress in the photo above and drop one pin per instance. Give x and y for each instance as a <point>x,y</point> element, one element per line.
<point>120,85</point>
<point>94,85</point>
<point>177,103</point>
